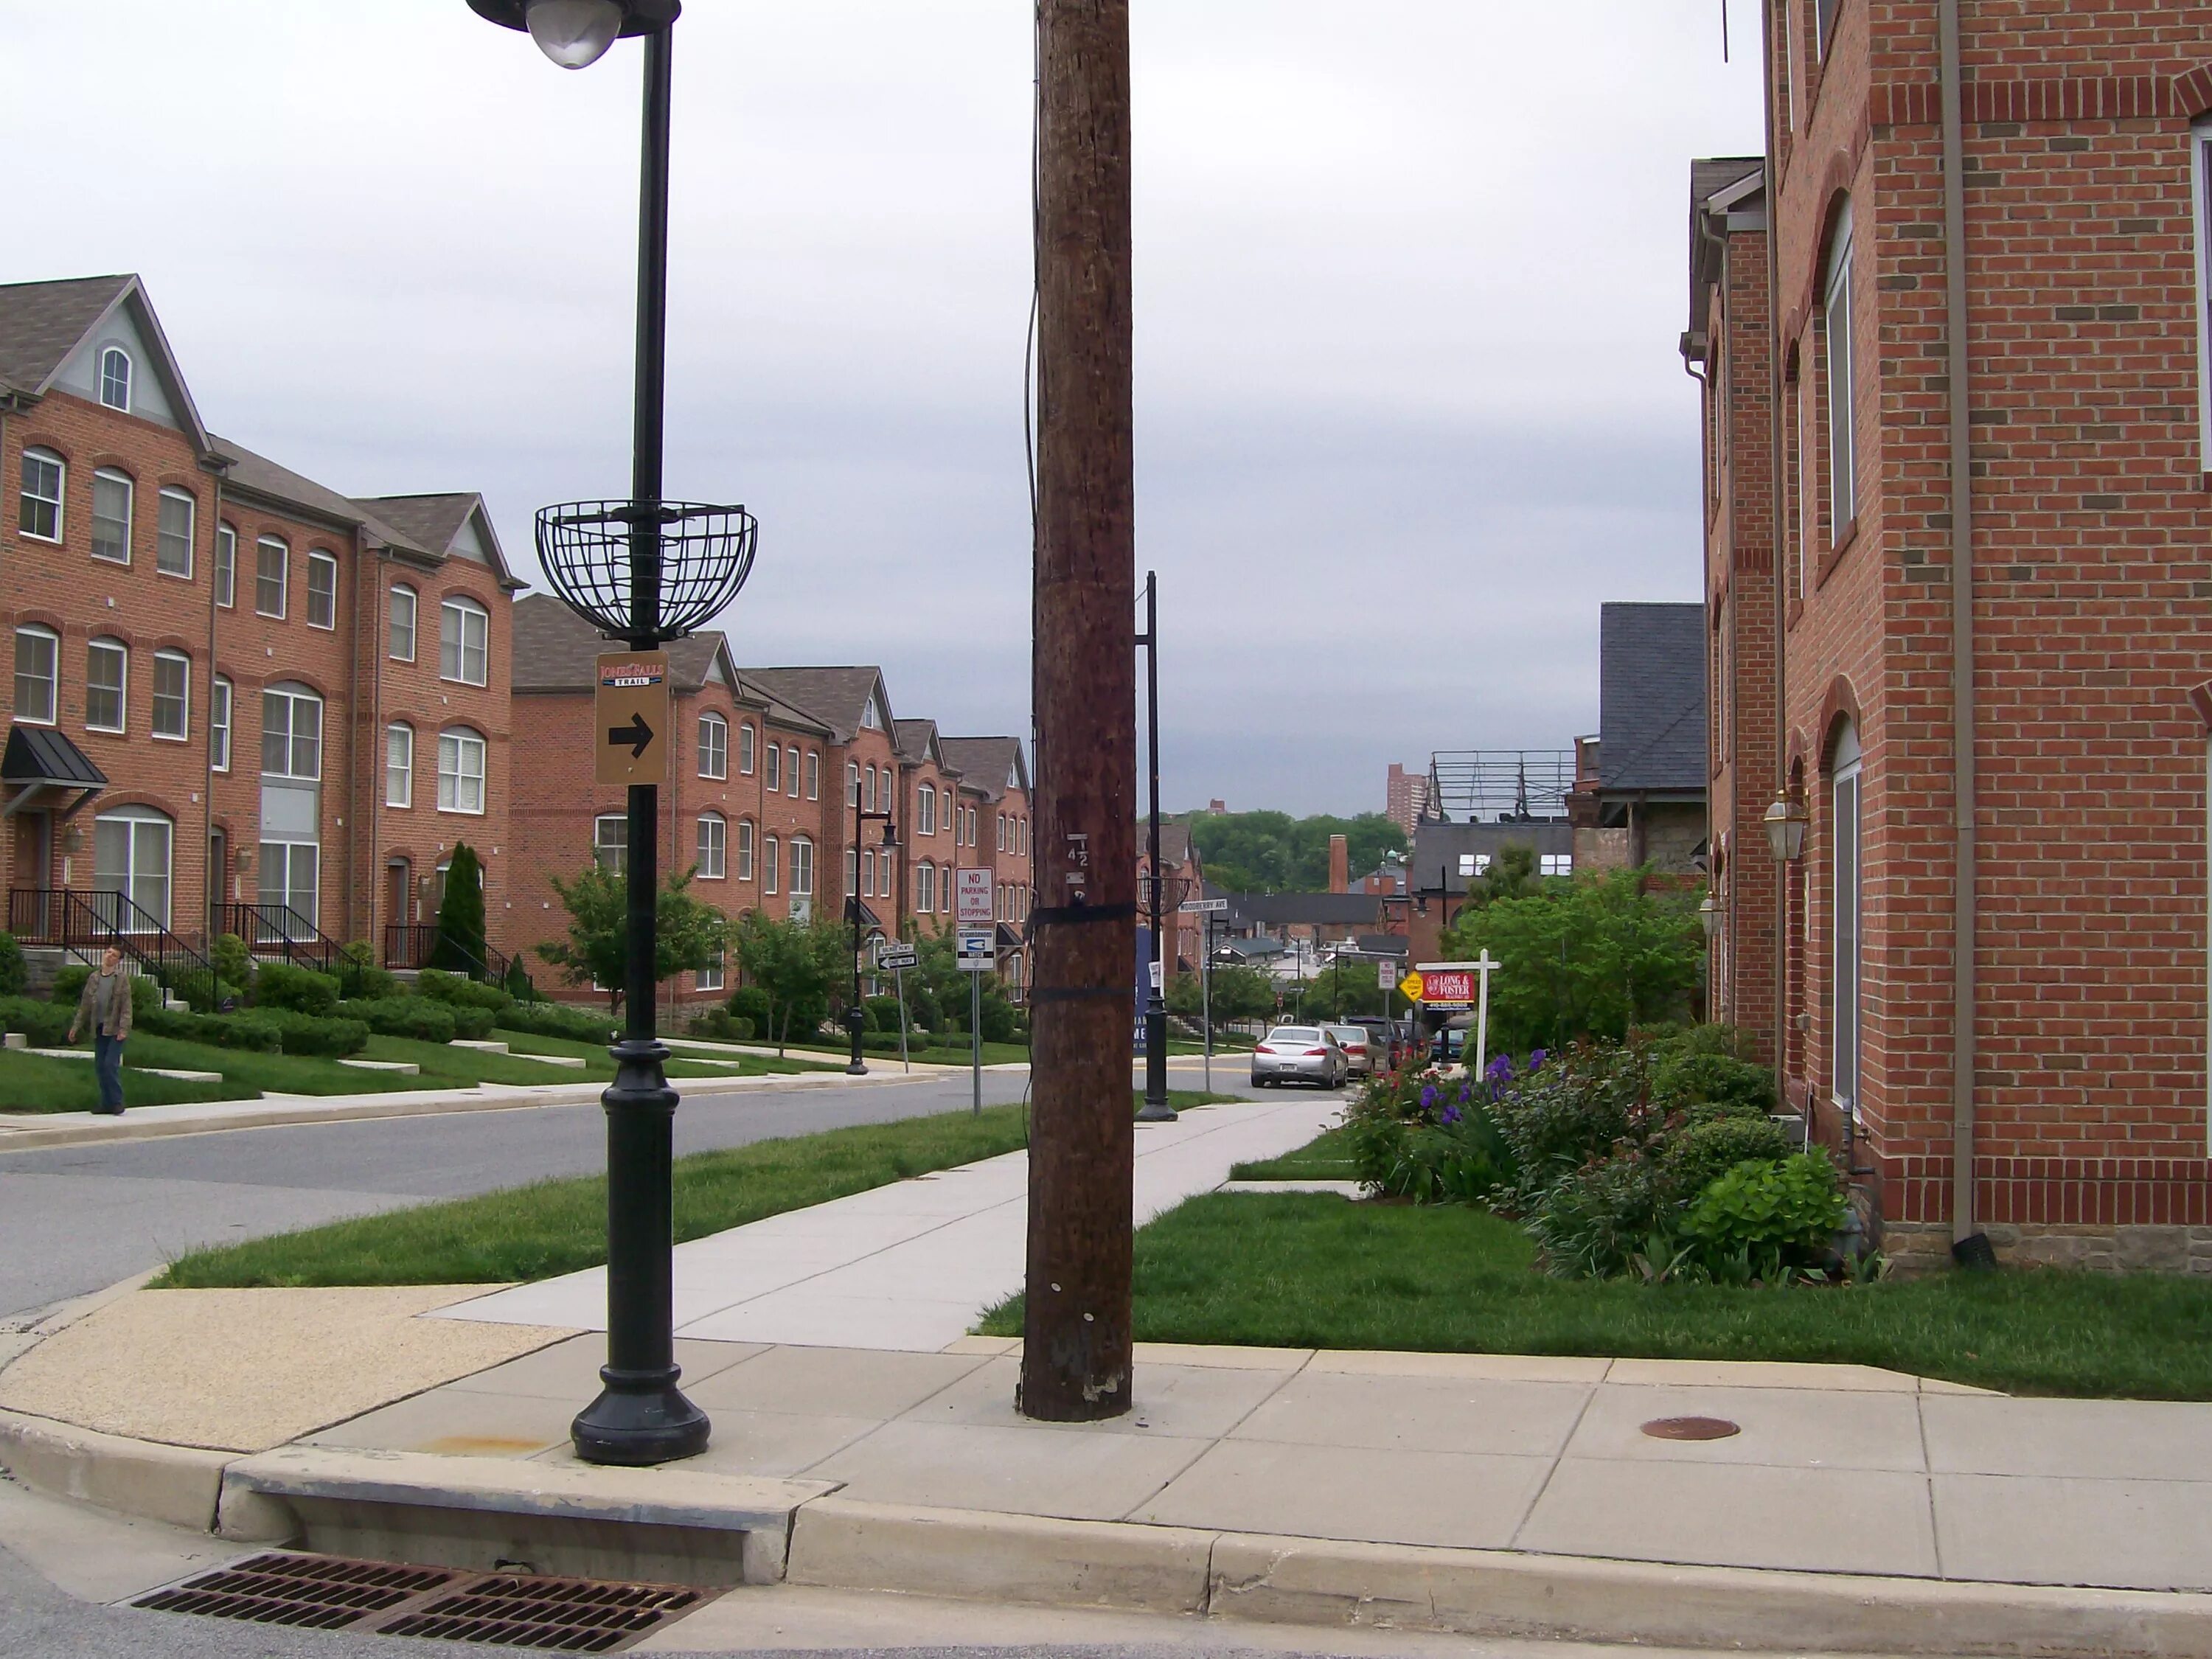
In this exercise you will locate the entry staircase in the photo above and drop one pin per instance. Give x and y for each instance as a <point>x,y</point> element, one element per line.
<point>277,932</point>
<point>83,925</point>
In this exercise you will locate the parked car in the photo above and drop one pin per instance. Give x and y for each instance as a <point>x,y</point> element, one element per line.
<point>1359,1047</point>
<point>1389,1041</point>
<point>1447,1046</point>
<point>1300,1054</point>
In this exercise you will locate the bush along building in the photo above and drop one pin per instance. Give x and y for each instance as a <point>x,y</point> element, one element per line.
<point>241,701</point>
<point>764,781</point>
<point>1958,447</point>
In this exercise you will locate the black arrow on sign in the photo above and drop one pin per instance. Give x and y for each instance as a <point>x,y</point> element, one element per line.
<point>637,734</point>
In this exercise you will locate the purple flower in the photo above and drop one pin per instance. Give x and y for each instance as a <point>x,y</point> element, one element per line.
<point>1536,1059</point>
<point>1428,1095</point>
<point>1451,1114</point>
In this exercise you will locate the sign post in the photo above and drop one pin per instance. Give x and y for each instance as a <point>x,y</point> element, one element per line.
<point>632,715</point>
<point>1458,985</point>
<point>898,957</point>
<point>1208,909</point>
<point>978,957</point>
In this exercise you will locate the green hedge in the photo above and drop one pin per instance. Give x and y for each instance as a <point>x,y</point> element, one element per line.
<point>46,1024</point>
<point>303,991</point>
<point>315,1035</point>
<point>419,1018</point>
<point>465,993</point>
<point>11,966</point>
<point>255,1033</point>
<point>555,1019</point>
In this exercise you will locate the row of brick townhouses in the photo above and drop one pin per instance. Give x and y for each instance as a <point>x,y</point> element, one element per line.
<point>762,791</point>
<point>2046,1085</point>
<point>208,652</point>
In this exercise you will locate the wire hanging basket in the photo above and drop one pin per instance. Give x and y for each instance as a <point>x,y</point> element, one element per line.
<point>697,557</point>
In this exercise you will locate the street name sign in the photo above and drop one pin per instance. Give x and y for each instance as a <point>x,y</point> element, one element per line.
<point>892,958</point>
<point>978,951</point>
<point>631,718</point>
<point>1202,907</point>
<point>972,896</point>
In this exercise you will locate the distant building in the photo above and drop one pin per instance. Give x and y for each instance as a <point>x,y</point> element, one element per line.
<point>1406,796</point>
<point>1649,757</point>
<point>1447,857</point>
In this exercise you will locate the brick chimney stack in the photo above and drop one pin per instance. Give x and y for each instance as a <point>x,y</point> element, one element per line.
<point>1339,865</point>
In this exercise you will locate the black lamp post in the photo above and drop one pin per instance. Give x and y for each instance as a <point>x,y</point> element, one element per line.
<point>856,1017</point>
<point>1155,1108</point>
<point>644,571</point>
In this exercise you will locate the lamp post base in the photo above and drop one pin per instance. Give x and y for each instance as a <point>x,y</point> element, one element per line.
<point>641,1418</point>
<point>1155,1108</point>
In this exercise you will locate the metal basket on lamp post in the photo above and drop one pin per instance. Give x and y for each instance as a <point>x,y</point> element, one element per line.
<point>636,569</point>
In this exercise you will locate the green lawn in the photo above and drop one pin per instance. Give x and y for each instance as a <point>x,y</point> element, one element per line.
<point>554,1227</point>
<point>1325,1159</point>
<point>34,1083</point>
<point>1302,1270</point>
<point>995,1053</point>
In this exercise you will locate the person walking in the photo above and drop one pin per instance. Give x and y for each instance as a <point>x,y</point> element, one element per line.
<point>105,1005</point>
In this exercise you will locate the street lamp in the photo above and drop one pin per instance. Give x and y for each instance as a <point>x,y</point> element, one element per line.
<point>1709,914</point>
<point>1785,822</point>
<point>856,1017</point>
<point>644,571</point>
<point>1155,1108</point>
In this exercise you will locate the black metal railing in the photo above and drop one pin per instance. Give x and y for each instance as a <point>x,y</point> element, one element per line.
<point>281,933</point>
<point>86,923</point>
<point>414,945</point>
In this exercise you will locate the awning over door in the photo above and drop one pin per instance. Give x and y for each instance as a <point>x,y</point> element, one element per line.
<point>39,759</point>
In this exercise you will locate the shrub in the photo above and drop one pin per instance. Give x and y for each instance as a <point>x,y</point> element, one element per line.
<point>883,1014</point>
<point>403,1017</point>
<point>1699,1154</point>
<point>11,966</point>
<point>722,1026</point>
<point>44,1024</point>
<point>300,990</point>
<point>1713,1085</point>
<point>517,984</point>
<point>314,1034</point>
<point>460,942</point>
<point>467,992</point>
<point>1784,1211</point>
<point>1592,1221</point>
<point>69,982</point>
<point>1577,1110</point>
<point>474,1024</point>
<point>1414,1135</point>
<point>555,1019</point>
<point>69,985</point>
<point>233,962</point>
<point>364,979</point>
<point>750,1003</point>
<point>254,1033</point>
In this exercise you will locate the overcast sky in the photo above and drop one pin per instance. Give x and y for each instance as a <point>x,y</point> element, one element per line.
<point>1409,276</point>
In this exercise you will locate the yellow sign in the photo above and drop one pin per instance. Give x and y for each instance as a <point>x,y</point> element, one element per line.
<point>631,717</point>
<point>1410,987</point>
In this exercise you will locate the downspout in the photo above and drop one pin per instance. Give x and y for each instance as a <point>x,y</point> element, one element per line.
<point>1969,1246</point>
<point>1778,481</point>
<point>379,753</point>
<point>214,897</point>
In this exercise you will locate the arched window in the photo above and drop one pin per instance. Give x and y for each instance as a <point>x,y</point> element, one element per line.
<point>769,869</point>
<point>791,771</point>
<point>322,589</point>
<point>773,781</point>
<point>38,505</point>
<point>173,695</point>
<point>852,783</point>
<point>610,843</point>
<point>802,867</point>
<point>399,630</point>
<point>111,495</point>
<point>291,732</point>
<point>714,836</point>
<point>273,573</point>
<point>115,378</point>
<point>1847,897</point>
<point>745,748</point>
<point>464,641</point>
<point>1836,338</point>
<point>37,674</point>
<point>461,770</point>
<point>925,887</point>
<point>400,764</point>
<point>226,565</point>
<point>868,789</point>
<point>107,684</point>
<point>925,812</point>
<point>814,774</point>
<point>714,746</point>
<point>851,871</point>
<point>131,851</point>
<point>744,849</point>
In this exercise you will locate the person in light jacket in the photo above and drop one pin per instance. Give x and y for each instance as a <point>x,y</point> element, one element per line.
<point>105,1006</point>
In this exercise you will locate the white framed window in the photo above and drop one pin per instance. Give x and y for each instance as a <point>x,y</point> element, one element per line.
<point>115,378</point>
<point>610,842</point>
<point>461,770</point>
<point>322,589</point>
<point>1848,900</point>
<point>925,887</point>
<point>868,788</point>
<point>402,604</point>
<point>714,840</point>
<point>814,774</point>
<point>37,674</point>
<point>714,746</point>
<point>774,778</point>
<point>107,684</point>
<point>290,878</point>
<point>291,733</point>
<point>220,698</point>
<point>1843,402</point>
<point>874,717</point>
<point>173,695</point>
<point>464,641</point>
<point>851,871</point>
<point>1001,819</point>
<point>111,493</point>
<point>768,865</point>
<point>174,511</point>
<point>1555,864</point>
<point>272,575</point>
<point>400,764</point>
<point>712,976</point>
<point>790,772</point>
<point>802,867</point>
<point>944,890</point>
<point>744,849</point>
<point>38,505</point>
<point>924,813</point>
<point>868,872</point>
<point>130,850</point>
<point>852,783</point>
<point>745,748</point>
<point>226,566</point>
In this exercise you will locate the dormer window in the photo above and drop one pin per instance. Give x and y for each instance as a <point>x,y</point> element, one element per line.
<point>873,719</point>
<point>115,378</point>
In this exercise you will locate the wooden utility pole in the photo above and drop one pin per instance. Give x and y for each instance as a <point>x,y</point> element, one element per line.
<point>1075,1355</point>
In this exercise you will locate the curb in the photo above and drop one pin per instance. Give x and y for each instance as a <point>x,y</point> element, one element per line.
<point>179,1485</point>
<point>141,1125</point>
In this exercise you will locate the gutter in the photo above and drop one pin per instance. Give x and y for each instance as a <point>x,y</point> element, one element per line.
<point>1969,1246</point>
<point>1778,481</point>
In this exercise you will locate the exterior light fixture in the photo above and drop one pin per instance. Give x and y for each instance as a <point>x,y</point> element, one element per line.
<point>576,34</point>
<point>1709,914</point>
<point>1785,829</point>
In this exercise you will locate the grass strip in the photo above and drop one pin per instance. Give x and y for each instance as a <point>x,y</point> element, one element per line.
<point>37,1083</point>
<point>552,1227</point>
<point>1328,1158</point>
<point>1299,1270</point>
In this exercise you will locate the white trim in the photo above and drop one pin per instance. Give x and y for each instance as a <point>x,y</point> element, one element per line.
<point>153,716</point>
<point>2200,168</point>
<point>114,475</point>
<point>406,801</point>
<point>226,569</point>
<point>54,679</point>
<point>719,772</point>
<point>222,698</point>
<point>460,605</point>
<point>1838,293</point>
<point>166,494</point>
<point>60,501</point>
<point>721,846</point>
<point>414,598</point>
<point>261,544</point>
<point>130,378</point>
<point>461,738</point>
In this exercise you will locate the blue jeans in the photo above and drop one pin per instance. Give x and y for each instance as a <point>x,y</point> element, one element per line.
<point>108,1063</point>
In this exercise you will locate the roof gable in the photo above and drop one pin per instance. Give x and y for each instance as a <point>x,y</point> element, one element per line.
<point>989,766</point>
<point>842,698</point>
<point>452,526</point>
<point>50,334</point>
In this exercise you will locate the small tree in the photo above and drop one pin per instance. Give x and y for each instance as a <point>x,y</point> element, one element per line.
<point>689,935</point>
<point>460,947</point>
<point>1347,986</point>
<point>1242,992</point>
<point>798,966</point>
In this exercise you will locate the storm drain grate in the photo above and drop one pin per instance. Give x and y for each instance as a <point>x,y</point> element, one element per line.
<point>325,1592</point>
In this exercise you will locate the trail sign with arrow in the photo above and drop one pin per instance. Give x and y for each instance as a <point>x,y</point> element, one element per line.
<point>631,715</point>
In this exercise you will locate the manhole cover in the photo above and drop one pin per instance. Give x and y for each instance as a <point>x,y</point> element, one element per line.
<point>324,1592</point>
<point>1691,1428</point>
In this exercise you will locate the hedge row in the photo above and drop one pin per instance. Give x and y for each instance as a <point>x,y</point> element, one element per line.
<point>553,1020</point>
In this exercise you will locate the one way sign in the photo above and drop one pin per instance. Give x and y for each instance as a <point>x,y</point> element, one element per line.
<point>631,715</point>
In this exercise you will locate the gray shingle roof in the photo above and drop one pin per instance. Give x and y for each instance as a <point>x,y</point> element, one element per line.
<point>41,323</point>
<point>1315,910</point>
<point>912,738</point>
<point>435,521</point>
<point>555,649</point>
<point>984,762</point>
<point>1651,698</point>
<point>836,696</point>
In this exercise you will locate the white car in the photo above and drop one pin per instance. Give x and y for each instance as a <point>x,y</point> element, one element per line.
<point>1300,1054</point>
<point>1353,1040</point>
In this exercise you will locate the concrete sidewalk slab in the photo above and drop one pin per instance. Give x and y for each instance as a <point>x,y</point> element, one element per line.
<point>1795,1428</point>
<point>2132,1535</point>
<point>1017,1471</point>
<point>2116,1439</point>
<point>1322,1408</point>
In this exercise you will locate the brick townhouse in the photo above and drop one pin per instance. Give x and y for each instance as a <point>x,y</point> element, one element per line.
<point>754,800</point>
<point>1996,389</point>
<point>208,651</point>
<point>1184,872</point>
<point>995,796</point>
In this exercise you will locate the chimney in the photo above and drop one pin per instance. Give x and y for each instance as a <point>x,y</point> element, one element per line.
<point>1339,864</point>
